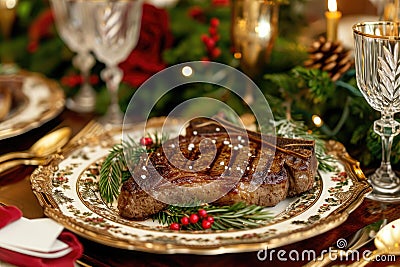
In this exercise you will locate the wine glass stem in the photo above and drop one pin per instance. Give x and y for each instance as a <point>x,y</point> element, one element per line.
<point>387,128</point>
<point>113,76</point>
<point>387,142</point>
<point>84,61</point>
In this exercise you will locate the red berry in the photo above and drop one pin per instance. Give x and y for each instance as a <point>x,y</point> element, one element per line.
<point>194,218</point>
<point>185,220</point>
<point>202,213</point>
<point>146,141</point>
<point>94,79</point>
<point>210,43</point>
<point>215,38</point>
<point>210,219</point>
<point>216,52</point>
<point>174,226</point>
<point>204,38</point>
<point>213,31</point>
<point>196,12</point>
<point>206,224</point>
<point>214,22</point>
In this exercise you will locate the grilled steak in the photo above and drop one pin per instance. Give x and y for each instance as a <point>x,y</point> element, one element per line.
<point>284,169</point>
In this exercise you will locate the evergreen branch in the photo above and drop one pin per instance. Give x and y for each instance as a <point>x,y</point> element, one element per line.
<point>284,80</point>
<point>236,216</point>
<point>319,83</point>
<point>114,170</point>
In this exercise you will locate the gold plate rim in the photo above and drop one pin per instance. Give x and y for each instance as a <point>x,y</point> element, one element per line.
<point>40,183</point>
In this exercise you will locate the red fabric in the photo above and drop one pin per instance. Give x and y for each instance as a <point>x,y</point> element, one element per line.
<point>9,214</point>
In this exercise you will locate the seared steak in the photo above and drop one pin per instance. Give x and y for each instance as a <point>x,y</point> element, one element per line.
<point>286,168</point>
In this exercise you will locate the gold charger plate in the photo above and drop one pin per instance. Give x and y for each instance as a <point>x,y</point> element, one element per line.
<point>36,100</point>
<point>67,190</point>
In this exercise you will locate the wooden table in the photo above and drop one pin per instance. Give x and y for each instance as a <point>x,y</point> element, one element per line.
<point>15,190</point>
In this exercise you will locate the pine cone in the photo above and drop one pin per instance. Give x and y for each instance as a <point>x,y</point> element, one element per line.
<point>330,57</point>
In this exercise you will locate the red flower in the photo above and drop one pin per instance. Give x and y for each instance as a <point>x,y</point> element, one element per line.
<point>155,36</point>
<point>41,27</point>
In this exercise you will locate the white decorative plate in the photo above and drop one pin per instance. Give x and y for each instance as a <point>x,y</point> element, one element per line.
<point>67,190</point>
<point>37,101</point>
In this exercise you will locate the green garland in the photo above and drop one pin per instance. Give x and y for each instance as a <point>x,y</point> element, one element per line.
<point>302,92</point>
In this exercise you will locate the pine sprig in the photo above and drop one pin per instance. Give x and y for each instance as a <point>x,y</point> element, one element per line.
<point>236,216</point>
<point>114,170</point>
<point>297,129</point>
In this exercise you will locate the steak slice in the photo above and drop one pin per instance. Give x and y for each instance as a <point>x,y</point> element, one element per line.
<point>135,203</point>
<point>297,155</point>
<point>284,169</point>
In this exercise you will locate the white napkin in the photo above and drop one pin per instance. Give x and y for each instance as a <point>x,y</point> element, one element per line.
<point>36,237</point>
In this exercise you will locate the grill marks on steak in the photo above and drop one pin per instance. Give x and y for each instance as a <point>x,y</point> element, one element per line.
<point>288,172</point>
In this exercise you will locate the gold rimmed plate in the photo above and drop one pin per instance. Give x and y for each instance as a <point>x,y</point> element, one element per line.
<point>67,190</point>
<point>35,100</point>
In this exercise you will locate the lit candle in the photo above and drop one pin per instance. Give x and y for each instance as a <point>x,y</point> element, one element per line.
<point>332,20</point>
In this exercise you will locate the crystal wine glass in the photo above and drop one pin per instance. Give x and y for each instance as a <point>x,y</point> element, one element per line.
<point>116,26</point>
<point>71,23</point>
<point>377,63</point>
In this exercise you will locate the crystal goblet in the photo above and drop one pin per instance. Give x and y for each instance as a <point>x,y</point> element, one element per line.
<point>115,26</point>
<point>377,63</point>
<point>72,26</point>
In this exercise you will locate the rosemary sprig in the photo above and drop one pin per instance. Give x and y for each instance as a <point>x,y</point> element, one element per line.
<point>236,216</point>
<point>297,129</point>
<point>114,170</point>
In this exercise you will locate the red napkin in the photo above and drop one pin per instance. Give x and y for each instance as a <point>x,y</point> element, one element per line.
<point>9,214</point>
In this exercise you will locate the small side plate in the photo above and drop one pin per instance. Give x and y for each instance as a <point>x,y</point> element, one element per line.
<point>36,100</point>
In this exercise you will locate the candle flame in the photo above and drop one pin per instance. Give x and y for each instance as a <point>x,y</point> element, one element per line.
<point>9,4</point>
<point>332,5</point>
<point>263,29</point>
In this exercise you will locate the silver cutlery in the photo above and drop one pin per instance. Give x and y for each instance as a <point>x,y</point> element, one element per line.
<point>343,247</point>
<point>387,243</point>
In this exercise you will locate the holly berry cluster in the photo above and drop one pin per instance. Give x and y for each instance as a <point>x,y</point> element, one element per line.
<point>210,41</point>
<point>146,141</point>
<point>77,79</point>
<point>194,218</point>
